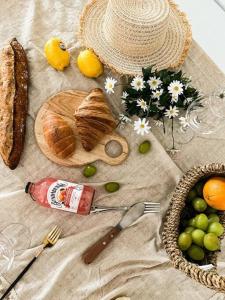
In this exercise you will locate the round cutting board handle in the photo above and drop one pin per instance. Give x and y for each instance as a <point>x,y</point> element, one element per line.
<point>118,159</point>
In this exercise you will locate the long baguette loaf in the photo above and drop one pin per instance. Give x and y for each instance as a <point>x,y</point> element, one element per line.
<point>7,95</point>
<point>13,102</point>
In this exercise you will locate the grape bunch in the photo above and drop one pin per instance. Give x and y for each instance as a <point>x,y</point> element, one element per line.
<point>200,226</point>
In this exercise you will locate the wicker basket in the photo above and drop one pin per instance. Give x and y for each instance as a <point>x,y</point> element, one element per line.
<point>171,229</point>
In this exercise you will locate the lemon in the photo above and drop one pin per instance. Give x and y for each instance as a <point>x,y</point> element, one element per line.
<point>89,64</point>
<point>56,54</point>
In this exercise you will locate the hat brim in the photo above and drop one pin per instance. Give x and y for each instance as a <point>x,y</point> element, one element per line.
<point>171,55</point>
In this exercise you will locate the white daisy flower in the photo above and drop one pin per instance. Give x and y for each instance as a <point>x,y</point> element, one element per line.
<point>172,112</point>
<point>138,83</point>
<point>183,122</point>
<point>174,98</point>
<point>154,83</point>
<point>110,84</point>
<point>141,126</point>
<point>176,88</point>
<point>125,95</point>
<point>157,94</point>
<point>158,123</point>
<point>141,103</point>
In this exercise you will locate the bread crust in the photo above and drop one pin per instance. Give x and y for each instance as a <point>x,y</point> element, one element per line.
<point>7,95</point>
<point>59,136</point>
<point>18,105</point>
<point>94,119</point>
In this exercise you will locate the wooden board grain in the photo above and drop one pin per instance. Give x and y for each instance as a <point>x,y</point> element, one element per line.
<point>64,104</point>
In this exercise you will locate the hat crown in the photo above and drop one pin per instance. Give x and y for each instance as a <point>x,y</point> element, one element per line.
<point>141,24</point>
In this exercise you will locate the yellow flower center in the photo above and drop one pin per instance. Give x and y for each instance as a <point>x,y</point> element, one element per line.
<point>154,82</point>
<point>176,88</point>
<point>142,126</point>
<point>110,85</point>
<point>138,83</point>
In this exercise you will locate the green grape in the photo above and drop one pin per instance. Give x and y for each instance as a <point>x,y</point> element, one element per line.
<point>211,242</point>
<point>192,194</point>
<point>201,222</point>
<point>216,228</point>
<point>189,229</point>
<point>199,204</point>
<point>198,237</point>
<point>195,252</point>
<point>144,147</point>
<point>89,171</point>
<point>213,218</point>
<point>112,187</point>
<point>199,188</point>
<point>184,241</point>
<point>192,222</point>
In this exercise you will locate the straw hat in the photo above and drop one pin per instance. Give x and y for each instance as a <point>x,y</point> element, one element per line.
<point>130,34</point>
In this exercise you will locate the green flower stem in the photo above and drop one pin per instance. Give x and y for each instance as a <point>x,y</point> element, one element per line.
<point>173,146</point>
<point>164,128</point>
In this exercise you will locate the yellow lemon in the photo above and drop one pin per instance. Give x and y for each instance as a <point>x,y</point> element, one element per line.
<point>89,64</point>
<point>56,54</point>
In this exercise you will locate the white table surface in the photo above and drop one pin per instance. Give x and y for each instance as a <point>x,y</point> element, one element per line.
<point>208,25</point>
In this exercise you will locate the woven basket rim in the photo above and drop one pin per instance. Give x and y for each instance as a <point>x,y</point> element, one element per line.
<point>170,228</point>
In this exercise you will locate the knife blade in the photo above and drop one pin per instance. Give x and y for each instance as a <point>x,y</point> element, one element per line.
<point>135,212</point>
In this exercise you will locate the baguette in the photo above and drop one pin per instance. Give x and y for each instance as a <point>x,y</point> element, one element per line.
<point>13,102</point>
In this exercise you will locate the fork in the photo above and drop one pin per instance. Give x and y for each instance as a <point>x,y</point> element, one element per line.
<point>49,241</point>
<point>150,207</point>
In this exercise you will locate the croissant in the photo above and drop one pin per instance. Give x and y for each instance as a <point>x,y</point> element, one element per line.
<point>59,136</point>
<point>93,119</point>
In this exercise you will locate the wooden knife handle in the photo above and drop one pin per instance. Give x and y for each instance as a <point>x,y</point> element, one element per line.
<point>91,253</point>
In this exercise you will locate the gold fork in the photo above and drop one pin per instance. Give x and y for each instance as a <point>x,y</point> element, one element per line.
<point>49,241</point>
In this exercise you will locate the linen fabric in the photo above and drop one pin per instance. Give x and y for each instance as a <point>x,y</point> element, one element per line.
<point>135,264</point>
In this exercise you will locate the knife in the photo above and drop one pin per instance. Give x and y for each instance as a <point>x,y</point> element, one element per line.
<point>135,212</point>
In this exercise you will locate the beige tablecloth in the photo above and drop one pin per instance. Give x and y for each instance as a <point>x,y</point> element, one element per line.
<point>135,264</point>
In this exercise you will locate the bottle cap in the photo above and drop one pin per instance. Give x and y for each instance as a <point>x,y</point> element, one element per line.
<point>27,187</point>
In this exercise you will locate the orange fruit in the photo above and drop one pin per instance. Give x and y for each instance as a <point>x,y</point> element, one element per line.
<point>214,192</point>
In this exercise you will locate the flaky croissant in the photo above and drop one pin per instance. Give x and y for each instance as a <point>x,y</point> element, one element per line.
<point>59,136</point>
<point>94,119</point>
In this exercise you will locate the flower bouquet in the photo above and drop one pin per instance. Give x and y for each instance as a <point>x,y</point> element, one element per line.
<point>155,95</point>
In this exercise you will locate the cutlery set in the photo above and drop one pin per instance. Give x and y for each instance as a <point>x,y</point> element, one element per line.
<point>131,214</point>
<point>150,207</point>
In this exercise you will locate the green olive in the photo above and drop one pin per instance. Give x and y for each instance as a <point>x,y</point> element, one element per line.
<point>89,171</point>
<point>112,187</point>
<point>144,147</point>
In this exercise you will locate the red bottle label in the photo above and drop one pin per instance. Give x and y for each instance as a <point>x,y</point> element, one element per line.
<point>65,195</point>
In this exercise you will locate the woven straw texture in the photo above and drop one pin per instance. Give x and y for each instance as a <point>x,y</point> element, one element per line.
<point>171,228</point>
<point>130,34</point>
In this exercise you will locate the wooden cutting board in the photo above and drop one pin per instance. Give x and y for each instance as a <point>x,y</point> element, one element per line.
<point>64,104</point>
